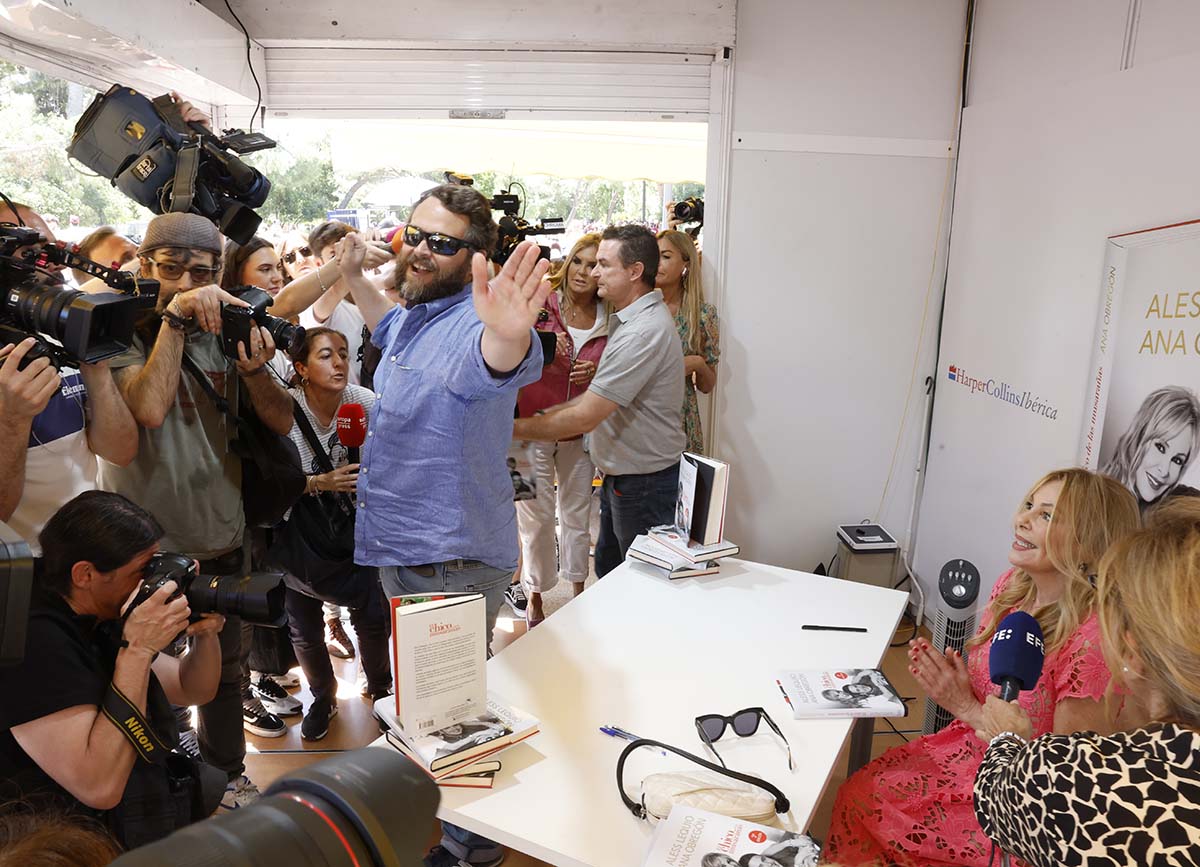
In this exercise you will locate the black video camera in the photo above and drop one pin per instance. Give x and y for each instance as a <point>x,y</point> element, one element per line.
<point>514,228</point>
<point>690,210</point>
<point>146,150</point>
<point>256,598</point>
<point>236,323</point>
<point>71,326</point>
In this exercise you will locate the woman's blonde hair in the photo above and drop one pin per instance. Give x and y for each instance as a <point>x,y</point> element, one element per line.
<point>692,298</point>
<point>558,278</point>
<point>1163,414</point>
<point>1147,596</point>
<point>1092,512</point>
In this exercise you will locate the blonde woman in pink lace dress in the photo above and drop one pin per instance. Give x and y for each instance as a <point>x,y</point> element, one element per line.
<point>913,805</point>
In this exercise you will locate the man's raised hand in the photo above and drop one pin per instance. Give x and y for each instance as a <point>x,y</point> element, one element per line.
<point>508,304</point>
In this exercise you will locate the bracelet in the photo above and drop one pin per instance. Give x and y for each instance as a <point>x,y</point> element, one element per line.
<point>321,281</point>
<point>174,320</point>
<point>1002,735</point>
<point>310,486</point>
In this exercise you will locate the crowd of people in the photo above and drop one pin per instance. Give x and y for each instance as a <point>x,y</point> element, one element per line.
<point>111,464</point>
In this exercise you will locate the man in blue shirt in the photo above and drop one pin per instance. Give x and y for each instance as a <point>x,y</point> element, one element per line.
<point>434,494</point>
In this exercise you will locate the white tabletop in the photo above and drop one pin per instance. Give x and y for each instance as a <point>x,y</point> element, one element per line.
<point>650,655</point>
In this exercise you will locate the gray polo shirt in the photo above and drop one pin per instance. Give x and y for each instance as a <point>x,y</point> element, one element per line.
<point>641,371</point>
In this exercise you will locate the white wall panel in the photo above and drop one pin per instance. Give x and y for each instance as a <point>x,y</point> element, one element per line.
<point>1166,28</point>
<point>1022,47</point>
<point>829,260</point>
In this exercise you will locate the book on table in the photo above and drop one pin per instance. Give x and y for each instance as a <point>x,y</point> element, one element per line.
<point>700,503</point>
<point>840,694</point>
<point>463,743</point>
<point>691,837</point>
<point>469,775</point>
<point>439,655</point>
<point>679,543</point>
<point>647,554</point>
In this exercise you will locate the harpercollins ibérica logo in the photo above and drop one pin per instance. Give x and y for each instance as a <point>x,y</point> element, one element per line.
<point>1021,399</point>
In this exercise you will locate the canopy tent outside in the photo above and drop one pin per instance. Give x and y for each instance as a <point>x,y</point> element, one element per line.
<point>667,152</point>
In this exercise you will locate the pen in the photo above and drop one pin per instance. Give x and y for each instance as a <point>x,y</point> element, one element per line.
<point>785,695</point>
<point>614,732</point>
<point>819,628</point>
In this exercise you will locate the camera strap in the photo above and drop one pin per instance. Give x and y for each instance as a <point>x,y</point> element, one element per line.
<point>130,721</point>
<point>206,384</point>
<point>322,456</point>
<point>187,160</point>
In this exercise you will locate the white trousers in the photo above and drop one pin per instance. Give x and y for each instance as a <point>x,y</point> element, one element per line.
<point>535,518</point>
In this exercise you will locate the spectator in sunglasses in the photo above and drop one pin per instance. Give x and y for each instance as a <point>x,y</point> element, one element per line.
<point>296,257</point>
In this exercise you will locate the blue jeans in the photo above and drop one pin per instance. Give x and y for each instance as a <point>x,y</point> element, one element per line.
<point>629,506</point>
<point>474,578</point>
<point>477,578</point>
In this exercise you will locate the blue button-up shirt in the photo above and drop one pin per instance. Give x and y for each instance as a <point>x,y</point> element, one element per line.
<point>434,484</point>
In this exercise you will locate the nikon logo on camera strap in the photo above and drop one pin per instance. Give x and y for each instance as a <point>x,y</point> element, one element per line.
<point>129,720</point>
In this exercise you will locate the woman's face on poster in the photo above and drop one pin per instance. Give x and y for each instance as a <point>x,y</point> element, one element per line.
<point>1162,462</point>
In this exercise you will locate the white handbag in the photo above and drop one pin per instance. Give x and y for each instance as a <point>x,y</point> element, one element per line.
<point>715,789</point>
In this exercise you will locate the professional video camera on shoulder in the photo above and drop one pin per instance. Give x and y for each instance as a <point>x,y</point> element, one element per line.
<point>514,228</point>
<point>70,326</point>
<point>151,155</point>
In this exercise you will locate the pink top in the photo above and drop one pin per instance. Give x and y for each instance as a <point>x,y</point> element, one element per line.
<point>555,386</point>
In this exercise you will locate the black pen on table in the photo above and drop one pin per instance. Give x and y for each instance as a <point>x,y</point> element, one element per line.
<point>817,627</point>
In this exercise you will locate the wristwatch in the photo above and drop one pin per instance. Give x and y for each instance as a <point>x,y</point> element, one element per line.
<point>1003,735</point>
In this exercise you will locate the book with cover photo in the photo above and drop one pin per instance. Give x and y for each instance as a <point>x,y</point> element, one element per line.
<point>840,694</point>
<point>679,543</point>
<point>690,837</point>
<point>466,741</point>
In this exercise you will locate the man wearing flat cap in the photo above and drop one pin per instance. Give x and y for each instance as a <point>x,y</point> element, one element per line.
<point>186,473</point>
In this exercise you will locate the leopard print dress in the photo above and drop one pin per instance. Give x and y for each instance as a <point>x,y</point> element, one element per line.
<point>1095,801</point>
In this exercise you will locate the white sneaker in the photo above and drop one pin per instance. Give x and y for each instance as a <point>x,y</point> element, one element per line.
<point>287,681</point>
<point>239,793</point>
<point>274,697</point>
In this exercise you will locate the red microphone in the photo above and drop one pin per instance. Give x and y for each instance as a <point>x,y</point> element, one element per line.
<point>352,428</point>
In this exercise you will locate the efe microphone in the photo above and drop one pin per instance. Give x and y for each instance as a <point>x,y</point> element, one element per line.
<point>352,428</point>
<point>1017,654</point>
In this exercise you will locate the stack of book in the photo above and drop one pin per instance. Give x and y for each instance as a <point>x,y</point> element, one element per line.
<point>461,755</point>
<point>695,543</point>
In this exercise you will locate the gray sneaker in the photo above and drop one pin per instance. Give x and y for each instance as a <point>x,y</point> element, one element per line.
<point>274,697</point>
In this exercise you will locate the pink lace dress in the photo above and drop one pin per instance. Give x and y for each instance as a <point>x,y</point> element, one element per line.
<point>913,805</point>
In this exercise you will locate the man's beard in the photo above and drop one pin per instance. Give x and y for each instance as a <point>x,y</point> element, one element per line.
<point>443,285</point>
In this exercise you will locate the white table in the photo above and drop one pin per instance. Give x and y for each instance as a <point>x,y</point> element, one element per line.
<point>650,655</point>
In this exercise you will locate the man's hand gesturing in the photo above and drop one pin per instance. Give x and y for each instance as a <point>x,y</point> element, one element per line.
<point>509,304</point>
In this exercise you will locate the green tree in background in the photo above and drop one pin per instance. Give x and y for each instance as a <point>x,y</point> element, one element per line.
<point>34,168</point>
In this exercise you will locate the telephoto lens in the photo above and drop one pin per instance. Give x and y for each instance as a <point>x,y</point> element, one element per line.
<point>370,807</point>
<point>256,598</point>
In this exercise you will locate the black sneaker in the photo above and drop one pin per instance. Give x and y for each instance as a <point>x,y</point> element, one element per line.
<point>516,598</point>
<point>274,697</point>
<point>316,721</point>
<point>439,856</point>
<point>257,720</point>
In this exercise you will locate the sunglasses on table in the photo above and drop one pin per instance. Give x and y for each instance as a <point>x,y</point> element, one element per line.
<point>443,245</point>
<point>303,252</point>
<point>201,275</point>
<point>744,723</point>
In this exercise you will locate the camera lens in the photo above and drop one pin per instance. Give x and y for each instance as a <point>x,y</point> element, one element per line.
<point>287,336</point>
<point>256,598</point>
<point>371,807</point>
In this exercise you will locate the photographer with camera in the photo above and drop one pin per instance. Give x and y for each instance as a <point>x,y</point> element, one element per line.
<point>86,723</point>
<point>185,441</point>
<point>53,423</point>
